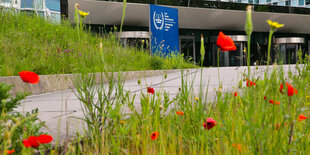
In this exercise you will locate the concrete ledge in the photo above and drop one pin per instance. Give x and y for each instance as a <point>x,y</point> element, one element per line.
<point>58,82</point>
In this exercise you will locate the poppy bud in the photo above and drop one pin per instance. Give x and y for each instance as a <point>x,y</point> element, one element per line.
<point>202,49</point>
<point>161,107</point>
<point>77,5</point>
<point>248,23</point>
<point>7,135</point>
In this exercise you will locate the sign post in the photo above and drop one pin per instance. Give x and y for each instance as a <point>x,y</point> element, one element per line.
<point>164,29</point>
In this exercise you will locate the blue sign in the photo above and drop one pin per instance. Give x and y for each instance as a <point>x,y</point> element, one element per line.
<point>164,28</point>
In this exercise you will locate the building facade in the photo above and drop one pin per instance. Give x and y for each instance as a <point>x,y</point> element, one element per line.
<point>49,9</point>
<point>294,3</point>
<point>209,18</point>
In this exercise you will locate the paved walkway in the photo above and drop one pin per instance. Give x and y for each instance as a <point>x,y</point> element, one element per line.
<point>59,108</point>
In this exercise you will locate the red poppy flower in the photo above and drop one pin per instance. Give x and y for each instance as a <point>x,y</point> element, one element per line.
<point>274,102</point>
<point>29,77</point>
<point>44,139</point>
<point>265,97</point>
<point>180,113</point>
<point>34,141</point>
<point>154,135</point>
<point>235,94</point>
<point>10,151</point>
<point>150,90</point>
<point>225,43</point>
<point>290,89</point>
<point>237,146</point>
<point>250,83</point>
<point>209,124</point>
<point>301,117</point>
<point>277,126</point>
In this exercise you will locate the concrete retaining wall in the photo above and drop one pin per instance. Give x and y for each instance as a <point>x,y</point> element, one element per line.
<point>58,82</point>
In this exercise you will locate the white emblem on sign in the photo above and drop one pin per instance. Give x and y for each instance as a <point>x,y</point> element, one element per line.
<point>158,19</point>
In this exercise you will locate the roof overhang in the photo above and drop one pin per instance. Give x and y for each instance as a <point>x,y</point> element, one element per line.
<point>110,13</point>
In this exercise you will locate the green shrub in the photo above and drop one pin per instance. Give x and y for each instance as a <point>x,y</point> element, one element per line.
<point>15,126</point>
<point>156,63</point>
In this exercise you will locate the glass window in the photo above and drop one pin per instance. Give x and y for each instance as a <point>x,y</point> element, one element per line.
<point>5,1</point>
<point>55,18</point>
<point>29,12</point>
<point>287,3</point>
<point>294,2</point>
<point>268,1</point>
<point>26,4</point>
<point>39,4</point>
<point>307,2</point>
<point>301,2</point>
<point>40,13</point>
<point>282,3</point>
<point>53,5</point>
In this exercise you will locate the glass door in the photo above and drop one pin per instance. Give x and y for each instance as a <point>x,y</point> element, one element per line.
<point>236,57</point>
<point>291,53</point>
<point>229,58</point>
<point>288,53</point>
<point>187,47</point>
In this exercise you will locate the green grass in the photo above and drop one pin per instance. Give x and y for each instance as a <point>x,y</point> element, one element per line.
<point>32,43</point>
<point>246,124</point>
<point>248,120</point>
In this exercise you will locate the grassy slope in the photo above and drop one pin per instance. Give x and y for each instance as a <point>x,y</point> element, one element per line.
<point>31,43</point>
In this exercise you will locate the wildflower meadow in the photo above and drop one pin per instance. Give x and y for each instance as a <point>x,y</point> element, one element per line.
<point>263,115</point>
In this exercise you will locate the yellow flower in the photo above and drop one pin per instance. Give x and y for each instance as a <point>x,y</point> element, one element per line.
<point>83,14</point>
<point>274,25</point>
<point>122,122</point>
<point>197,99</point>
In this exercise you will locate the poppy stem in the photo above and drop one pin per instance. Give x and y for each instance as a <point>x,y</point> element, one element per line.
<point>249,55</point>
<point>218,65</point>
<point>291,136</point>
<point>202,53</point>
<point>26,86</point>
